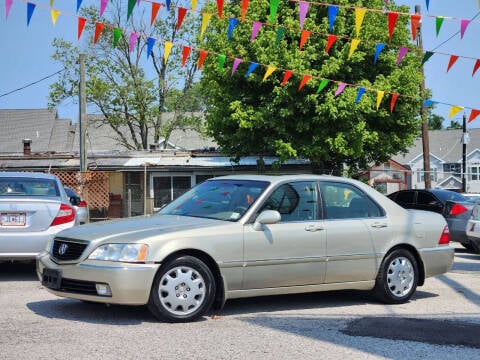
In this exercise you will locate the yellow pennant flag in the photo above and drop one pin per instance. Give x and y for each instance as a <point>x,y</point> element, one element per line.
<point>353,47</point>
<point>269,72</point>
<point>194,4</point>
<point>205,20</point>
<point>359,16</point>
<point>51,3</point>
<point>166,53</point>
<point>55,14</point>
<point>454,110</point>
<point>379,97</point>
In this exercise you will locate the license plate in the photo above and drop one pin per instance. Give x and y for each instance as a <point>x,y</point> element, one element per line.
<point>13,219</point>
<point>52,278</point>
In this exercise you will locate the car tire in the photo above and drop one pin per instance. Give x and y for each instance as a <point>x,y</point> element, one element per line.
<point>470,247</point>
<point>397,278</point>
<point>183,290</point>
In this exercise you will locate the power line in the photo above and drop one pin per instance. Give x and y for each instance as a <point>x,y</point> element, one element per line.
<point>31,84</point>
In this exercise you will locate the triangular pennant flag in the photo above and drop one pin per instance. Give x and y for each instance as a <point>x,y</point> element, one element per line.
<point>438,23</point>
<point>453,60</point>
<point>255,29</point>
<point>415,22</point>
<point>353,47</point>
<point>286,77</point>
<point>270,70</point>
<point>380,95</point>
<point>473,114</point>
<point>280,32</point>
<point>340,89</point>
<point>392,20</point>
<point>322,85</point>
<point>168,3</point>
<point>426,57</point>
<point>331,40</point>
<point>236,62</point>
<point>154,13</point>
<point>303,10</point>
<point>401,54</point>
<point>150,44</point>
<point>393,101</point>
<point>304,37</point>
<point>244,9</point>
<point>476,66</point>
<point>79,3</point>
<point>454,110</point>
<point>232,23</point>
<point>273,10</point>
<point>220,8</point>
<point>201,58</point>
<point>378,50</point>
<point>133,41</point>
<point>166,52</point>
<point>305,79</point>
<point>51,3</point>
<point>360,93</point>
<point>221,61</point>
<point>30,9</point>
<point>185,53</point>
<point>429,102</point>
<point>181,15</point>
<point>428,3</point>
<point>131,5</point>
<point>54,14</point>
<point>80,26</point>
<point>251,69</point>
<point>463,26</point>
<point>98,31</point>
<point>8,6</point>
<point>332,14</point>
<point>103,6</point>
<point>359,16</point>
<point>194,5</point>
<point>117,34</point>
<point>205,20</point>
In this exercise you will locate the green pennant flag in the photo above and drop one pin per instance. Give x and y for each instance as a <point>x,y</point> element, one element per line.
<point>438,23</point>
<point>322,85</point>
<point>280,32</point>
<point>221,61</point>
<point>273,10</point>
<point>131,5</point>
<point>117,33</point>
<point>426,57</point>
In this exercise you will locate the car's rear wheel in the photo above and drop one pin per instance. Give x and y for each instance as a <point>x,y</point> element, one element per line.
<point>183,290</point>
<point>397,278</point>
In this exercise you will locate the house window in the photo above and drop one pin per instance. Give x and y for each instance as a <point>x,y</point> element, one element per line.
<point>475,173</point>
<point>168,188</point>
<point>421,175</point>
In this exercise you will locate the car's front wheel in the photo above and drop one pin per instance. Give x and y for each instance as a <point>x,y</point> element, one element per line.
<point>183,290</point>
<point>397,278</point>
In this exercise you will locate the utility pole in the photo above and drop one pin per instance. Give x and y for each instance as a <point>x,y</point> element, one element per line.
<point>82,120</point>
<point>464,153</point>
<point>423,113</point>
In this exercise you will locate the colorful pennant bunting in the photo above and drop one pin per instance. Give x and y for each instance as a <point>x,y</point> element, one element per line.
<point>201,58</point>
<point>304,37</point>
<point>463,26</point>
<point>332,14</point>
<point>154,13</point>
<point>131,5</point>
<point>426,57</point>
<point>415,23</point>
<point>166,52</point>
<point>353,47</point>
<point>221,61</point>
<point>273,10</point>
<point>30,10</point>
<point>473,114</point>
<point>220,8</point>
<point>359,16</point>
<point>280,32</point>
<point>475,67</point>
<point>330,41</point>
<point>117,34</point>
<point>79,3</point>
<point>303,10</point>
<point>454,110</point>
<point>255,29</point>
<point>54,14</point>
<point>98,31</point>
<point>392,20</point>
<point>80,26</point>
<point>305,79</point>
<point>8,6</point>
<point>453,60</point>
<point>244,9</point>
<point>401,54</point>
<point>205,20</point>
<point>340,88</point>
<point>393,101</point>
<point>150,44</point>
<point>251,69</point>
<point>181,15</point>
<point>236,62</point>
<point>360,93</point>
<point>286,77</point>
<point>103,6</point>
<point>378,50</point>
<point>133,41</point>
<point>380,95</point>
<point>438,24</point>
<point>185,53</point>
<point>322,85</point>
<point>232,23</point>
<point>270,70</point>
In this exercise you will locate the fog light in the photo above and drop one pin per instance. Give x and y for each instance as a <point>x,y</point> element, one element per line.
<point>103,290</point>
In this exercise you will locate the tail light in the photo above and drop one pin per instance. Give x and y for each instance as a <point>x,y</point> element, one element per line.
<point>65,215</point>
<point>82,203</point>
<point>445,237</point>
<point>457,209</point>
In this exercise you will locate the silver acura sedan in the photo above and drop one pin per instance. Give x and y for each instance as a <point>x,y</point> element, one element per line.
<point>241,236</point>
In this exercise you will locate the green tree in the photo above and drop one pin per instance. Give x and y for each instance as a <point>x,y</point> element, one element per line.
<point>454,124</point>
<point>249,115</point>
<point>435,122</point>
<point>131,91</point>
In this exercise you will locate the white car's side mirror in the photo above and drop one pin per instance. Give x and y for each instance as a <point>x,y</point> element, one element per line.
<point>266,217</point>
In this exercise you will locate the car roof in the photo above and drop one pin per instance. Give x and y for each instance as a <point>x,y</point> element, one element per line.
<point>285,177</point>
<point>27,175</point>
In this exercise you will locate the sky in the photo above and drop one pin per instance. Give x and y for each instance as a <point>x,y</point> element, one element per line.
<point>27,70</point>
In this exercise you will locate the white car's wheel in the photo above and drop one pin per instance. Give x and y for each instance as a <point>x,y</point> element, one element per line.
<point>183,290</point>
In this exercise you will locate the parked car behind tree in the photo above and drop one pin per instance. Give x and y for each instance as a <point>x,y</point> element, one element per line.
<point>80,206</point>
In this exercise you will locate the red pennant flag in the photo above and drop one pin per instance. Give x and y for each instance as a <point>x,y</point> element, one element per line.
<point>331,40</point>
<point>475,68</point>
<point>392,20</point>
<point>453,60</point>
<point>181,15</point>
<point>220,8</point>
<point>304,37</point>
<point>81,25</point>
<point>473,115</point>
<point>155,8</point>
<point>98,31</point>
<point>185,53</point>
<point>201,58</point>
<point>244,9</point>
<point>415,22</point>
<point>304,81</point>
<point>288,75</point>
<point>393,101</point>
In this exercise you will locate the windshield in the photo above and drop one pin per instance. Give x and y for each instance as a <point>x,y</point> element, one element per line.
<point>449,195</point>
<point>226,199</point>
<point>23,186</point>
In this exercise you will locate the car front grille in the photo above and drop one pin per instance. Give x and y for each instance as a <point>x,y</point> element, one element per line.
<point>78,287</point>
<point>67,250</point>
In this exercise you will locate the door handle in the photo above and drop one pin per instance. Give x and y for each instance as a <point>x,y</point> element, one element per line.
<point>379,225</point>
<point>312,227</point>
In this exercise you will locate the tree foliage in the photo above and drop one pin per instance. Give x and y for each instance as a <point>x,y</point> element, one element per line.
<point>435,122</point>
<point>131,91</point>
<point>250,115</point>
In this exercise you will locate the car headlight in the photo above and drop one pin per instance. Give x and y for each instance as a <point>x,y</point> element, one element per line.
<point>120,252</point>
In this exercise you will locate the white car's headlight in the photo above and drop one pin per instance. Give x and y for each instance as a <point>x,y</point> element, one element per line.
<point>120,252</point>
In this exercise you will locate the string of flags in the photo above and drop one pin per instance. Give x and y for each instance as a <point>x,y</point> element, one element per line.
<point>359,14</point>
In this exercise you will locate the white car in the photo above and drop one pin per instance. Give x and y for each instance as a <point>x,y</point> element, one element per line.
<point>473,230</point>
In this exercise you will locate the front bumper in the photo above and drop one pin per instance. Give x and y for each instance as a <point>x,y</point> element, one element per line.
<point>130,284</point>
<point>438,260</point>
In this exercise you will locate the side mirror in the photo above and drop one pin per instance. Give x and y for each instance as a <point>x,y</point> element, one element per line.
<point>74,200</point>
<point>266,217</point>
